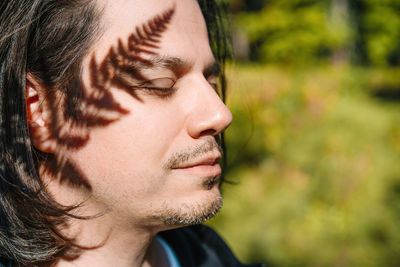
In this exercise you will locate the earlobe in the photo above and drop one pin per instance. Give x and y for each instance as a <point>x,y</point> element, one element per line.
<point>39,126</point>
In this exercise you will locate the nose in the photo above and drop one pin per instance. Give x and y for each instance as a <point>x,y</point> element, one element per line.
<point>209,115</point>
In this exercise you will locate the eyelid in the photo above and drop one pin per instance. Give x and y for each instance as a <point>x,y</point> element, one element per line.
<point>160,87</point>
<point>214,82</point>
<point>160,92</point>
<point>164,82</point>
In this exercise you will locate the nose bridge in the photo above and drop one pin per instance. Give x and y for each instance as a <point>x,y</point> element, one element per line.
<point>209,115</point>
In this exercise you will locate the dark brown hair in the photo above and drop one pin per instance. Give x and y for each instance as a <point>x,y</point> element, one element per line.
<point>48,39</point>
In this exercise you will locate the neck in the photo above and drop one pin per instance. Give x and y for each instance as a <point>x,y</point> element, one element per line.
<point>107,243</point>
<point>109,239</point>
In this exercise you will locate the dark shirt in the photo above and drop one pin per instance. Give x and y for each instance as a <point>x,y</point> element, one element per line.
<point>200,246</point>
<point>194,246</point>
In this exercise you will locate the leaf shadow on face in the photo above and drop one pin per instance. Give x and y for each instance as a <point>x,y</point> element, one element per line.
<point>83,108</point>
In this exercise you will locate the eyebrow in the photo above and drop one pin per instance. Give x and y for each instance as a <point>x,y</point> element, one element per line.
<point>177,65</point>
<point>180,67</point>
<point>212,70</point>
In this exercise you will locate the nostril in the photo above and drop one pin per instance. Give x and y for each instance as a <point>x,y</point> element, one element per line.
<point>208,132</point>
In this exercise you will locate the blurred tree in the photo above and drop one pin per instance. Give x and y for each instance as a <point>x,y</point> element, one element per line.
<point>378,31</point>
<point>316,149</point>
<point>302,31</point>
<point>319,176</point>
<point>295,31</point>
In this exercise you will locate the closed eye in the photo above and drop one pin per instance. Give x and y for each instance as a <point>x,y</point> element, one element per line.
<point>214,83</point>
<point>161,87</point>
<point>212,73</point>
<point>164,82</point>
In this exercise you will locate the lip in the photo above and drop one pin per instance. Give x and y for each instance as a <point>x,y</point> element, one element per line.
<point>204,167</point>
<point>209,161</point>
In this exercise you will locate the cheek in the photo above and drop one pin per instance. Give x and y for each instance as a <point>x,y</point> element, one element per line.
<point>133,148</point>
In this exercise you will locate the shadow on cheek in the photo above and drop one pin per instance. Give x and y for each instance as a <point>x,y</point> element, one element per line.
<point>76,113</point>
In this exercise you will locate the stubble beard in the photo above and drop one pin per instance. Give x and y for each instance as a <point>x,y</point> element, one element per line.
<point>192,213</point>
<point>188,214</point>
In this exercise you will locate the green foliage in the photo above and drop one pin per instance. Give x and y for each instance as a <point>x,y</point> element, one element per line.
<point>315,150</point>
<point>379,31</point>
<point>316,159</point>
<point>294,31</point>
<point>309,31</point>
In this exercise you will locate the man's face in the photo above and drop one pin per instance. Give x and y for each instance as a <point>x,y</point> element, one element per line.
<point>158,162</point>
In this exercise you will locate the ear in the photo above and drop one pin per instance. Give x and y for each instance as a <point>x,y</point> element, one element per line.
<point>38,116</point>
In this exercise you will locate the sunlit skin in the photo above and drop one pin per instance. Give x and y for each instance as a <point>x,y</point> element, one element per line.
<point>160,158</point>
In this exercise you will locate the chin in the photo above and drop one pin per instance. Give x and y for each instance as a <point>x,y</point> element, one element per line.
<point>196,209</point>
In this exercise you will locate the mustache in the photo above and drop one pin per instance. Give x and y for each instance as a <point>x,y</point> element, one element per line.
<point>179,158</point>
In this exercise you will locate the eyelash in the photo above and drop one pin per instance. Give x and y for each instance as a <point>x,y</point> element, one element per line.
<point>162,92</point>
<point>168,92</point>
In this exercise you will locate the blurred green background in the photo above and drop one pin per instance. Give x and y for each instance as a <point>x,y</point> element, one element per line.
<point>314,149</point>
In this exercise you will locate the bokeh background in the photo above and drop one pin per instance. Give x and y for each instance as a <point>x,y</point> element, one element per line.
<point>314,149</point>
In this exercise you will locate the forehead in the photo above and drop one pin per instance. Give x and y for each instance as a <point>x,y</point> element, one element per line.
<point>185,36</point>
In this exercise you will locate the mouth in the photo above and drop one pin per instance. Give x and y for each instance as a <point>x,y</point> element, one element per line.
<point>206,161</point>
<point>206,166</point>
